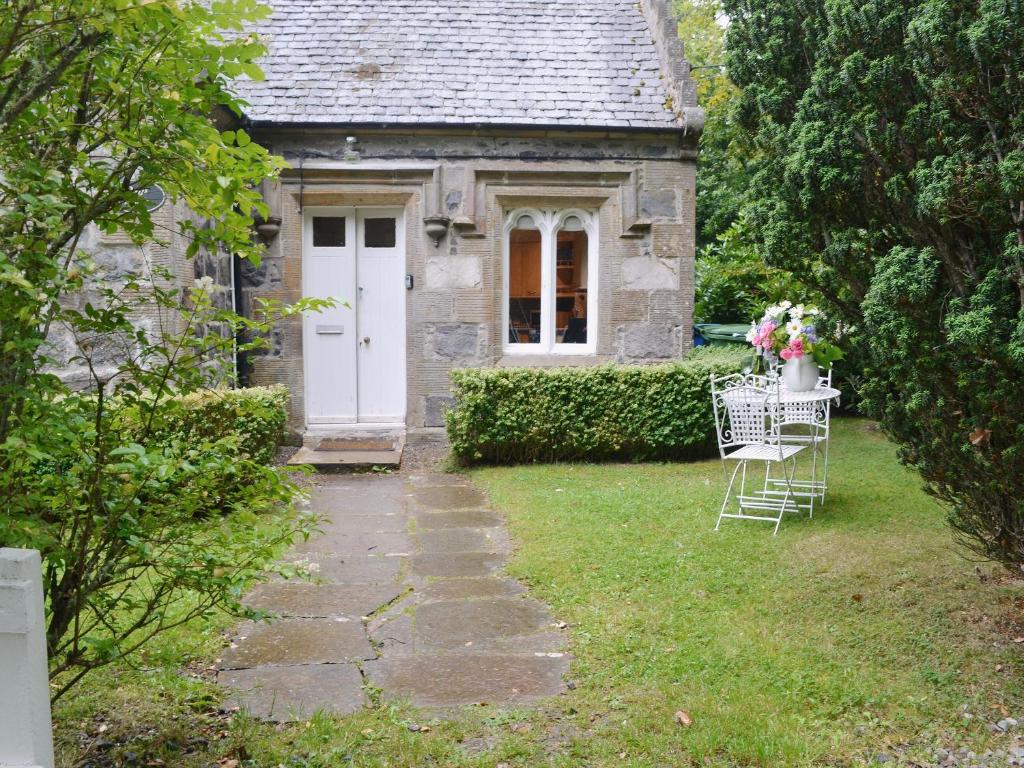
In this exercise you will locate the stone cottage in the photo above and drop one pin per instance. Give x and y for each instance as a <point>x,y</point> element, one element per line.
<point>482,183</point>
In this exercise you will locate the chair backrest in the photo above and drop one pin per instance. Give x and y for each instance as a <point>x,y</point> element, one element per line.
<point>575,331</point>
<point>744,410</point>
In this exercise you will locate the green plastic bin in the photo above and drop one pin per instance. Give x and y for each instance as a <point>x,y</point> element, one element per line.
<point>719,334</point>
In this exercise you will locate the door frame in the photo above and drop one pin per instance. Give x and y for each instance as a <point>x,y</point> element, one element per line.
<point>308,212</point>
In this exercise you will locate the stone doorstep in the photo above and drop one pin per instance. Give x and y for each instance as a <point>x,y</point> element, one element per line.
<point>354,446</point>
<point>352,459</point>
<point>354,437</point>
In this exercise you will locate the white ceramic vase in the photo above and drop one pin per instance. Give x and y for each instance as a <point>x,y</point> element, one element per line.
<point>800,374</point>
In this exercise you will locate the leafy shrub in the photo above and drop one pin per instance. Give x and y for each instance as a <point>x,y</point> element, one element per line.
<point>187,517</point>
<point>734,285</point>
<point>256,415</point>
<point>109,484</point>
<point>508,415</point>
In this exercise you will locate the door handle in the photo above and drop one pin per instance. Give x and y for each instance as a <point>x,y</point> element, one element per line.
<point>366,340</point>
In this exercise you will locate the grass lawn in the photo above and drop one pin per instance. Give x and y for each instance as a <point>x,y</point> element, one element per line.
<point>862,632</point>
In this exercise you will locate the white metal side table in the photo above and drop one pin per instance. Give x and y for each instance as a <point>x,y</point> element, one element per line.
<point>804,419</point>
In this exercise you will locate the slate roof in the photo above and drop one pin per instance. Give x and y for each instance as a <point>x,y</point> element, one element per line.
<point>560,63</point>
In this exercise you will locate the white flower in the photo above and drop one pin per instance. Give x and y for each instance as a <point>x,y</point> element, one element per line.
<point>752,332</point>
<point>797,312</point>
<point>204,283</point>
<point>786,304</point>
<point>793,328</point>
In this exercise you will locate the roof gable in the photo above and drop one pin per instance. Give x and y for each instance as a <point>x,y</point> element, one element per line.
<point>553,63</point>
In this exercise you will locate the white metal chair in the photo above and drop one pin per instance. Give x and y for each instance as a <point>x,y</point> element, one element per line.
<point>747,410</point>
<point>805,423</point>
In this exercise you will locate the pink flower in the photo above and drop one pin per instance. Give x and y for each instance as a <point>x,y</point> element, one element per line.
<point>763,336</point>
<point>793,351</point>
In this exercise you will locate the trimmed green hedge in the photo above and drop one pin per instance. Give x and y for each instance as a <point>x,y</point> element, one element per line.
<point>514,415</point>
<point>257,415</point>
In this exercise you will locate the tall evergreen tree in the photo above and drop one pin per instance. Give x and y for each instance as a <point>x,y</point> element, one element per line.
<point>893,134</point>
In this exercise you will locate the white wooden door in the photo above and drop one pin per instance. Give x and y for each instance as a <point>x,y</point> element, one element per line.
<point>355,354</point>
<point>380,301</point>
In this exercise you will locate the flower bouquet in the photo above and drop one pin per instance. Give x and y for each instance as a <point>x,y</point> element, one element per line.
<point>789,332</point>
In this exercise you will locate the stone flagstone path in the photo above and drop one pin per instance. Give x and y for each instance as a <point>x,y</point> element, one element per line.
<point>408,599</point>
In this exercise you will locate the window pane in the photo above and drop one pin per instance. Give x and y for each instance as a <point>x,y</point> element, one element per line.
<point>524,286</point>
<point>379,233</point>
<point>571,265</point>
<point>328,231</point>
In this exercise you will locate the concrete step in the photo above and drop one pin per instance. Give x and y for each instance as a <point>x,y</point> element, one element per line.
<point>354,447</point>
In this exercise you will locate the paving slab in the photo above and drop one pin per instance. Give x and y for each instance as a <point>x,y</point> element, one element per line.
<point>283,694</point>
<point>461,678</point>
<point>458,518</point>
<point>340,542</point>
<point>384,522</point>
<point>345,569</point>
<point>420,556</point>
<point>456,564</point>
<point>458,623</point>
<point>448,497</point>
<point>456,540</point>
<point>394,635</point>
<point>434,479</point>
<point>360,496</point>
<point>459,589</point>
<point>297,641</point>
<point>299,598</point>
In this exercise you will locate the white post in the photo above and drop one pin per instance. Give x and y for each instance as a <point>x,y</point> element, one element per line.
<point>26,740</point>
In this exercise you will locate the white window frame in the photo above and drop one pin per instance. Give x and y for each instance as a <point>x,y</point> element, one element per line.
<point>549,222</point>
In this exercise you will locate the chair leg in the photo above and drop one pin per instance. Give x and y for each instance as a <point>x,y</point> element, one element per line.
<point>824,473</point>
<point>728,493</point>
<point>814,477</point>
<point>789,490</point>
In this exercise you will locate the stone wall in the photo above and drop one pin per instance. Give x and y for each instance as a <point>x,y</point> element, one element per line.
<point>642,185</point>
<point>117,260</point>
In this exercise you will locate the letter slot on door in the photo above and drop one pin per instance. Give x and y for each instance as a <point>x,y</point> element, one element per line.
<point>330,330</point>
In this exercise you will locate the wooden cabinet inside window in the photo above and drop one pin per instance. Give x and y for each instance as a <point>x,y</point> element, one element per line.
<point>524,264</point>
